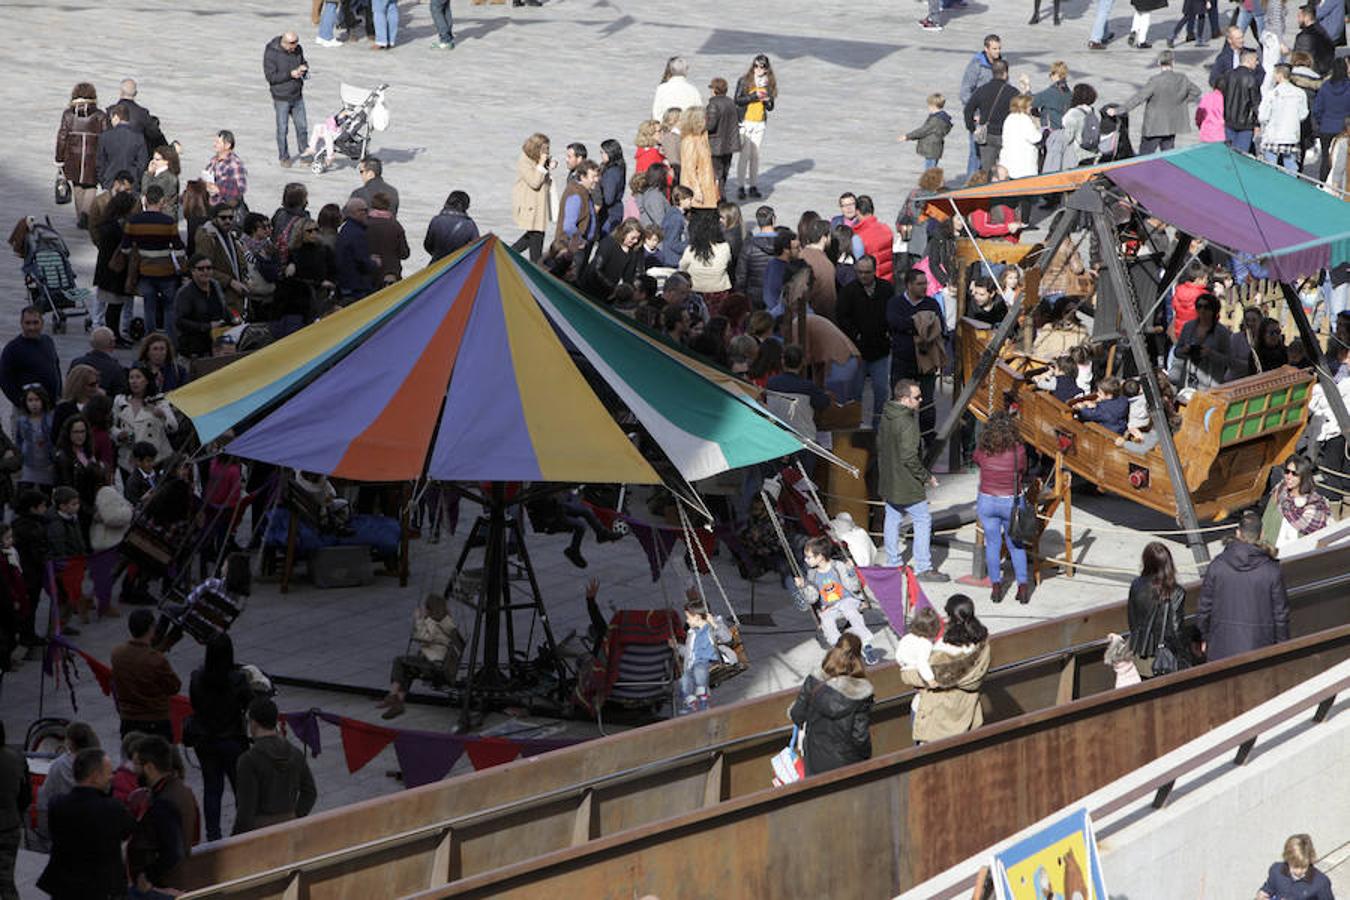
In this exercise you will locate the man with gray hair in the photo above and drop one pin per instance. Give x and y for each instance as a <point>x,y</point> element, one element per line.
<point>675,91</point>
<point>1166,97</point>
<point>357,267</point>
<point>111,376</point>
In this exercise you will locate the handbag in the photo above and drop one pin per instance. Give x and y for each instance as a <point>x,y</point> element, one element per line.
<point>1166,659</point>
<point>981,133</point>
<point>62,190</point>
<point>788,765</point>
<point>1024,526</point>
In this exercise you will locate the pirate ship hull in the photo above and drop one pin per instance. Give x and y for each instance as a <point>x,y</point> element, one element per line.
<point>1229,437</point>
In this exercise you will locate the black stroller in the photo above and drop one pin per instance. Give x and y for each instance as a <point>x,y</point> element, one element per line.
<point>50,278</point>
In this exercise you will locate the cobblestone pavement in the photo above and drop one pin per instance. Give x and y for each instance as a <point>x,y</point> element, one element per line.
<point>852,76</point>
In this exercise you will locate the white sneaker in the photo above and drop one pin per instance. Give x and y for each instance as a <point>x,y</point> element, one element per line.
<point>324,42</point>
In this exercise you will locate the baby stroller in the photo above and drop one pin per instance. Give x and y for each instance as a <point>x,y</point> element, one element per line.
<point>363,113</point>
<point>50,278</point>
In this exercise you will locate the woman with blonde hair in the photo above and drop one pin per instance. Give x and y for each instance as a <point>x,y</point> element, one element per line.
<point>1021,138</point>
<point>531,201</point>
<point>696,167</point>
<point>1295,875</point>
<point>648,143</point>
<point>835,706</point>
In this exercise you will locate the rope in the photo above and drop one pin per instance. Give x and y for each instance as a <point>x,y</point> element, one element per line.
<point>778,530</point>
<point>703,555</point>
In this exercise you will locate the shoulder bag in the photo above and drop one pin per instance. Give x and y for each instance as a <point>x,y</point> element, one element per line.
<point>1023,527</point>
<point>788,765</point>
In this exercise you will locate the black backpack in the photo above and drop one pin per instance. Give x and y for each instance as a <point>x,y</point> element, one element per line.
<point>1091,137</point>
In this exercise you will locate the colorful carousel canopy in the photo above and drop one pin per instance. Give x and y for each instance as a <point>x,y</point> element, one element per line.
<point>1210,192</point>
<point>482,367</point>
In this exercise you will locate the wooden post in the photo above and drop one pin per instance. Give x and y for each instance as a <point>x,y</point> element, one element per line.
<point>1064,485</point>
<point>403,537</point>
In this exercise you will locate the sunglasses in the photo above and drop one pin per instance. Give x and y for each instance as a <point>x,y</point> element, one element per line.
<point>1291,471</point>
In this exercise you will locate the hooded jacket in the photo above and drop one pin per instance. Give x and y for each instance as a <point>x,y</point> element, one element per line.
<point>751,264</point>
<point>901,473</point>
<point>273,784</point>
<point>953,706</point>
<point>77,141</point>
<point>979,72</point>
<point>837,715</point>
<point>1243,605</point>
<point>1331,106</point>
<point>1283,109</point>
<point>929,137</point>
<point>278,64</point>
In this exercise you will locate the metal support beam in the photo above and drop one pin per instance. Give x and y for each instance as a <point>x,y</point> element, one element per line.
<point>1314,351</point>
<point>952,422</point>
<point>1129,314</point>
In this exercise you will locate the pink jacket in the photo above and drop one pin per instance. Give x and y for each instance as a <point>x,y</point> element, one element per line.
<point>1209,117</point>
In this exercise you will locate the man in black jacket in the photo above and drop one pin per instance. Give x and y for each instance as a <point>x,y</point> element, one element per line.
<point>120,149</point>
<point>1313,40</point>
<point>755,256</point>
<point>1243,604</point>
<point>371,171</point>
<point>273,782</point>
<point>861,312</point>
<point>285,69</point>
<point>1241,102</point>
<point>199,306</point>
<point>1230,57</point>
<point>452,228</point>
<point>988,106</point>
<point>87,828</point>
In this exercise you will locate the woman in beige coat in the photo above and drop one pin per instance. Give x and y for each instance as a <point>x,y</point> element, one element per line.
<point>531,196</point>
<point>950,703</point>
<point>696,167</point>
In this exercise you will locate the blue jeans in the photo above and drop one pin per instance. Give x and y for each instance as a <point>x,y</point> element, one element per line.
<point>1241,141</point>
<point>158,296</point>
<point>328,20</point>
<point>1288,160</point>
<point>386,22</point>
<point>973,159</point>
<point>995,514</point>
<point>842,379</point>
<point>930,163</point>
<point>287,111</point>
<point>923,534</point>
<point>879,370</point>
<point>694,681</point>
<point>1103,19</point>
<point>1245,18</point>
<point>444,22</point>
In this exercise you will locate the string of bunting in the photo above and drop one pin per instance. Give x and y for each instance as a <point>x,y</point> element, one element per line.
<point>424,756</point>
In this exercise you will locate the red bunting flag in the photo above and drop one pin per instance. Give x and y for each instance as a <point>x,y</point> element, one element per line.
<point>487,752</point>
<point>362,742</point>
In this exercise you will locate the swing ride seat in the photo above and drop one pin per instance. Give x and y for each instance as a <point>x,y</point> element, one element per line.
<point>1230,435</point>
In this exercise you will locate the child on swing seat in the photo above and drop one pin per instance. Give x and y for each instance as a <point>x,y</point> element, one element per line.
<point>835,585</point>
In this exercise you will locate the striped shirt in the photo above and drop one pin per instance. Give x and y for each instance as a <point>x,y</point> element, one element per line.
<point>155,237</point>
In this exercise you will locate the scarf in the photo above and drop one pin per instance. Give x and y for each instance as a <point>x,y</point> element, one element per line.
<point>1305,519</point>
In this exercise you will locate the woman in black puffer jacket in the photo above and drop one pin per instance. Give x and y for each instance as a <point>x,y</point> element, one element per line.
<point>835,706</point>
<point>220,695</point>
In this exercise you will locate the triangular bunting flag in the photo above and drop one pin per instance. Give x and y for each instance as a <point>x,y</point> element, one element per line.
<point>362,742</point>
<point>887,584</point>
<point>426,756</point>
<point>656,543</point>
<point>305,727</point>
<point>485,753</point>
<point>180,707</point>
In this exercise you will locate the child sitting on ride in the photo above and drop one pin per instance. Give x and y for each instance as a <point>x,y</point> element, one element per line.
<point>700,652</point>
<point>1061,380</point>
<point>1109,410</point>
<point>1082,362</point>
<point>835,584</point>
<point>1140,436</point>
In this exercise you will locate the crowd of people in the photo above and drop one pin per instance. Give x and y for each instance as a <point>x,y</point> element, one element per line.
<point>817,311</point>
<point>123,827</point>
